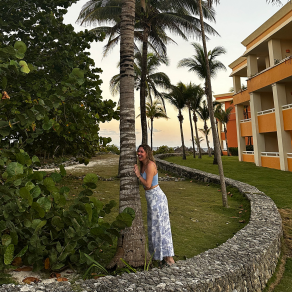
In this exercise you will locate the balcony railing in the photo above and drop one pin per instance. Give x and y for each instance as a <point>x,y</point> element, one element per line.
<point>273,154</point>
<point>289,155</point>
<point>245,120</point>
<point>269,111</point>
<point>287,106</point>
<point>248,152</point>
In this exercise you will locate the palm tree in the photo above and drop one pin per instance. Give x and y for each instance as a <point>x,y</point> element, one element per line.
<point>224,116</point>
<point>206,132</point>
<point>203,112</point>
<point>194,96</point>
<point>131,244</point>
<point>153,18</point>
<point>177,97</point>
<point>198,141</point>
<point>154,110</point>
<point>154,79</point>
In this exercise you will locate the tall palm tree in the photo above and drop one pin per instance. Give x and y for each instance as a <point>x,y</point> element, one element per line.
<point>154,110</point>
<point>131,244</point>
<point>194,95</point>
<point>224,117</point>
<point>177,98</point>
<point>203,112</point>
<point>153,18</point>
<point>154,79</point>
<point>206,132</point>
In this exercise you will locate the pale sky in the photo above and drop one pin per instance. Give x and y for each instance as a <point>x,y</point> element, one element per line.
<point>235,20</point>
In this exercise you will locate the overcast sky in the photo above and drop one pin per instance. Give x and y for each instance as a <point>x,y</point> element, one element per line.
<point>235,20</point>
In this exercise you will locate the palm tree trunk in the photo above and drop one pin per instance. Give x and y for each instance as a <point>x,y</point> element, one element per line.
<point>197,134</point>
<point>143,86</point>
<point>151,134</point>
<point>225,131</point>
<point>210,105</point>
<point>192,133</point>
<point>180,118</point>
<point>131,243</point>
<point>207,140</point>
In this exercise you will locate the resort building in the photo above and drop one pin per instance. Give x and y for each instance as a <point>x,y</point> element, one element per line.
<point>263,111</point>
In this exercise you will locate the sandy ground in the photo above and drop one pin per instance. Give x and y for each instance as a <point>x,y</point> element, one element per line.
<point>91,164</point>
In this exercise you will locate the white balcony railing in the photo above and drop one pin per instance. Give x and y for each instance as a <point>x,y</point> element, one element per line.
<point>289,155</point>
<point>271,154</point>
<point>248,152</point>
<point>245,120</point>
<point>272,110</point>
<point>287,106</point>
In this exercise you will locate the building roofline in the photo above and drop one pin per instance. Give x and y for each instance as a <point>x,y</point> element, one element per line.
<point>224,94</point>
<point>237,62</point>
<point>266,25</point>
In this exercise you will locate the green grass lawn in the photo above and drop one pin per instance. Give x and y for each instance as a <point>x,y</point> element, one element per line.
<point>198,220</point>
<point>274,183</point>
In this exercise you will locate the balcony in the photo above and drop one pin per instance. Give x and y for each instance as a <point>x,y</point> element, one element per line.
<point>287,116</point>
<point>245,128</point>
<point>222,135</point>
<point>271,75</point>
<point>248,156</point>
<point>289,158</point>
<point>270,160</point>
<point>241,97</point>
<point>267,121</point>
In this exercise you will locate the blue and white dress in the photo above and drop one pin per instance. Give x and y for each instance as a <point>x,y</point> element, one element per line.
<point>159,231</point>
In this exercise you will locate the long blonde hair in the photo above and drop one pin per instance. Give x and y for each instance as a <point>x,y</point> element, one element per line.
<point>149,153</point>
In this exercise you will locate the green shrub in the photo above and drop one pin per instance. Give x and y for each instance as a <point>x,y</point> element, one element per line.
<point>233,151</point>
<point>163,149</point>
<point>38,224</point>
<point>113,148</point>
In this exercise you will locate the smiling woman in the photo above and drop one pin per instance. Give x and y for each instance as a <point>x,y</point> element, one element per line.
<point>159,231</point>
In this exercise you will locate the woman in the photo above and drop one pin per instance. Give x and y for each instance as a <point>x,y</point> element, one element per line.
<point>159,232</point>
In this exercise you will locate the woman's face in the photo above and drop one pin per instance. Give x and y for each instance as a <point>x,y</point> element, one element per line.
<point>142,156</point>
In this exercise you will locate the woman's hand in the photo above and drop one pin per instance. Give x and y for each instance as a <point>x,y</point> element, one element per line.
<point>137,171</point>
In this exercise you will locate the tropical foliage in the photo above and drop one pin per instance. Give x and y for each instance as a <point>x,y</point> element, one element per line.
<point>56,57</point>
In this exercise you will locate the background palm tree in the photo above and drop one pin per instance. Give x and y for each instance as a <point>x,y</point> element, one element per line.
<point>224,117</point>
<point>194,95</point>
<point>177,98</point>
<point>198,141</point>
<point>152,22</point>
<point>154,80</point>
<point>131,243</point>
<point>154,110</point>
<point>203,112</point>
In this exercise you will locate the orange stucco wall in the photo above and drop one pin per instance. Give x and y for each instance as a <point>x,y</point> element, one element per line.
<point>239,65</point>
<point>270,76</point>
<point>248,157</point>
<point>271,162</point>
<point>241,97</point>
<point>290,164</point>
<point>231,126</point>
<point>287,117</point>
<point>246,129</point>
<point>267,123</point>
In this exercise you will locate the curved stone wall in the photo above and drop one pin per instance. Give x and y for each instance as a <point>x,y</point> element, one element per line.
<point>243,263</point>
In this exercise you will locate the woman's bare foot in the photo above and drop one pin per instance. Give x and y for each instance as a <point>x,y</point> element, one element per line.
<point>169,260</point>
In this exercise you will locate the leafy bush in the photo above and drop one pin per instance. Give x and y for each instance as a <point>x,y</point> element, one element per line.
<point>163,149</point>
<point>38,224</point>
<point>113,148</point>
<point>233,151</point>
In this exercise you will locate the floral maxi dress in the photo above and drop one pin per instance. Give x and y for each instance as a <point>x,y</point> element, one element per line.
<point>159,231</point>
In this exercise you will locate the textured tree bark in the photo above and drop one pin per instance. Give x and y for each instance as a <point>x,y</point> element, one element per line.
<point>143,86</point>
<point>211,111</point>
<point>192,132</point>
<point>207,139</point>
<point>197,134</point>
<point>181,118</point>
<point>131,243</point>
<point>151,134</point>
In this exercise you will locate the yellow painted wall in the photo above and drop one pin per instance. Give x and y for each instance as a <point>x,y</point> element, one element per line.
<point>290,164</point>
<point>248,157</point>
<point>246,129</point>
<point>271,162</point>
<point>241,97</point>
<point>267,123</point>
<point>287,117</point>
<point>267,100</point>
<point>271,142</point>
